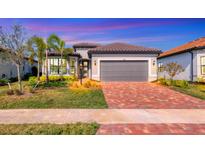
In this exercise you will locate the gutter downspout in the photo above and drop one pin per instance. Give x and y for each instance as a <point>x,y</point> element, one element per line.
<point>192,70</point>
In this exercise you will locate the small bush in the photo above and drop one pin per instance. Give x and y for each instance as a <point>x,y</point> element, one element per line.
<point>162,81</point>
<point>58,78</point>
<point>200,80</point>
<point>181,83</point>
<point>32,81</point>
<point>53,84</point>
<point>17,92</point>
<point>70,78</point>
<point>87,83</point>
<point>3,81</point>
<point>177,83</point>
<point>10,92</point>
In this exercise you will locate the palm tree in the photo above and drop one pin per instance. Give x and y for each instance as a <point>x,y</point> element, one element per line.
<point>37,47</point>
<point>54,42</point>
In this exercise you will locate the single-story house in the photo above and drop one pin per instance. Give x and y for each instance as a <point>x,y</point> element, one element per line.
<point>191,56</point>
<point>8,70</point>
<point>112,62</point>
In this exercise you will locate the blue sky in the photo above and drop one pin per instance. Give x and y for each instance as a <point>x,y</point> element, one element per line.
<point>158,33</point>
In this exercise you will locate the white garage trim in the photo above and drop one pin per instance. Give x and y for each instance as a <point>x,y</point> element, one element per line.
<point>96,75</point>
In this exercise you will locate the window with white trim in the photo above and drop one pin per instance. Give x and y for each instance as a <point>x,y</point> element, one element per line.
<point>160,67</point>
<point>55,66</point>
<point>203,65</point>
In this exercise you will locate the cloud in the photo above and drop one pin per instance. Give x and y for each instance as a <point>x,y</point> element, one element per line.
<point>93,27</point>
<point>134,40</point>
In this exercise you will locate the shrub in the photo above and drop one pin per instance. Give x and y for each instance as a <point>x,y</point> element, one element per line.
<point>3,81</point>
<point>58,78</point>
<point>53,84</point>
<point>177,83</point>
<point>87,83</point>
<point>162,81</point>
<point>32,81</point>
<point>17,92</point>
<point>169,82</point>
<point>181,83</point>
<point>10,92</point>
<point>200,80</point>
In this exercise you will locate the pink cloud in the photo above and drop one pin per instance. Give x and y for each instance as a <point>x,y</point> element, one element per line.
<point>92,27</point>
<point>139,40</point>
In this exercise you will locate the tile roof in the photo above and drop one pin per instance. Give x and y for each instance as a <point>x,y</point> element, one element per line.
<point>196,44</point>
<point>86,45</point>
<point>123,48</point>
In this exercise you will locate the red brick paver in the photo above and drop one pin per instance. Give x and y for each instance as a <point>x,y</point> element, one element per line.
<point>129,95</point>
<point>152,129</point>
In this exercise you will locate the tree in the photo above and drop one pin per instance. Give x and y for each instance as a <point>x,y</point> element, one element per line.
<point>173,69</point>
<point>54,42</point>
<point>68,51</point>
<point>37,48</point>
<point>13,47</point>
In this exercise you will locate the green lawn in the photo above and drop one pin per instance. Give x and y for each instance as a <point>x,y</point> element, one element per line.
<point>49,129</point>
<point>61,97</point>
<point>195,90</point>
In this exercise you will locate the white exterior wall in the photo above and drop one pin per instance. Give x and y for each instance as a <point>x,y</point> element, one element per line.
<point>96,58</point>
<point>83,52</point>
<point>184,59</point>
<point>10,70</point>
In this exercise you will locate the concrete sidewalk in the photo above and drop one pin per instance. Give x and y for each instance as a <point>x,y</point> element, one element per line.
<point>102,116</point>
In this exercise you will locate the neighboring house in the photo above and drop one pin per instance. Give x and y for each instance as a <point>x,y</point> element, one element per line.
<point>191,56</point>
<point>113,62</point>
<point>8,70</point>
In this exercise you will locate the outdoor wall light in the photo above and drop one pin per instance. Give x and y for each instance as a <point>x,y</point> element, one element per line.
<point>95,62</point>
<point>153,63</point>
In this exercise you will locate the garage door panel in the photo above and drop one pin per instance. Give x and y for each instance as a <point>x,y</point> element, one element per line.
<point>124,70</point>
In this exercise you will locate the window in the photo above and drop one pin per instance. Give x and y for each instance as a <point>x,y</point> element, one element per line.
<point>85,68</point>
<point>63,68</point>
<point>203,65</point>
<point>160,67</point>
<point>55,66</point>
<point>72,66</point>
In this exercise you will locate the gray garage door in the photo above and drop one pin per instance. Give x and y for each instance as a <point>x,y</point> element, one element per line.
<point>124,71</point>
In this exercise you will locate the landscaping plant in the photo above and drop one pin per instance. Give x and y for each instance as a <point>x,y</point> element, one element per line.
<point>87,83</point>
<point>13,48</point>
<point>57,44</point>
<point>173,69</point>
<point>37,48</point>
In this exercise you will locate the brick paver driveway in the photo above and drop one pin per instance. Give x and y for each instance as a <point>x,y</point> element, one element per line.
<point>147,95</point>
<point>152,129</point>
